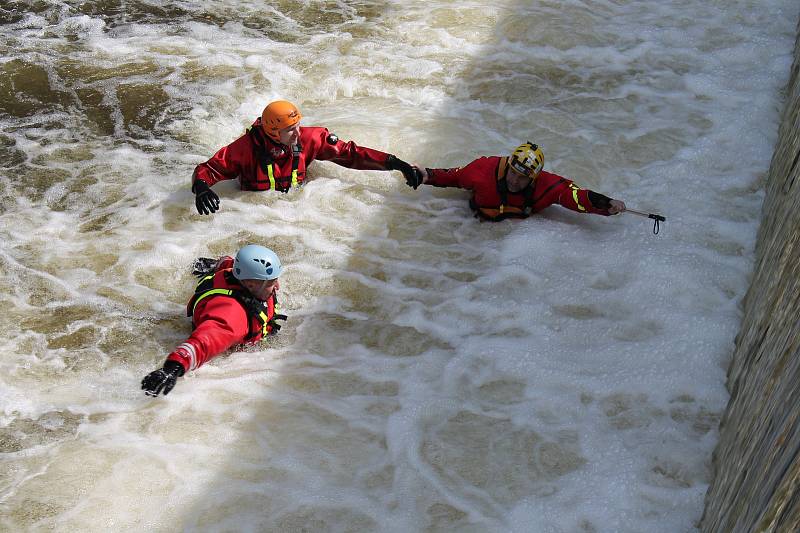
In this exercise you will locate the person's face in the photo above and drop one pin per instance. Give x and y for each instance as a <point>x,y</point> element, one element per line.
<point>515,181</point>
<point>261,289</point>
<point>290,136</point>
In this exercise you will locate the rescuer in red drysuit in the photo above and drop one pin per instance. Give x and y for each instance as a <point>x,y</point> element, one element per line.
<point>275,152</point>
<point>234,303</point>
<point>516,186</point>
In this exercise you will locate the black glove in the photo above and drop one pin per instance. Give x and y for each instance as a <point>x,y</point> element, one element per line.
<point>163,379</point>
<point>205,199</point>
<point>275,326</point>
<point>600,201</point>
<point>412,175</point>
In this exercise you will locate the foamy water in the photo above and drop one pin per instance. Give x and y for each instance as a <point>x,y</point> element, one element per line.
<point>564,373</point>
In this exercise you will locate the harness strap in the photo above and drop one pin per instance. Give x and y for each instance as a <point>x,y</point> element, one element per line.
<point>502,169</point>
<point>212,292</point>
<point>266,162</point>
<point>502,186</point>
<point>263,156</point>
<point>296,151</point>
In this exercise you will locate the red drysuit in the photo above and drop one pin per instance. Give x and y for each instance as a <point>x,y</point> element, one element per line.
<point>485,177</point>
<point>263,164</point>
<point>221,321</point>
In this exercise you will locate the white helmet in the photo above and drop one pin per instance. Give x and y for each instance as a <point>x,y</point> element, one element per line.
<point>256,262</point>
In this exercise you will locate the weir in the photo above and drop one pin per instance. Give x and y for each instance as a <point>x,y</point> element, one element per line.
<point>756,484</point>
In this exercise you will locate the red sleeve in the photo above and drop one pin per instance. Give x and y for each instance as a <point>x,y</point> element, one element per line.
<point>554,189</point>
<point>220,323</point>
<point>462,177</point>
<point>227,163</point>
<point>577,199</point>
<point>348,154</point>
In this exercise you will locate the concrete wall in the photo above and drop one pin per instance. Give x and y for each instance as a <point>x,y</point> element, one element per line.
<point>756,485</point>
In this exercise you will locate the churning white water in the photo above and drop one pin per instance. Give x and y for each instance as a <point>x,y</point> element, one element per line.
<point>561,374</point>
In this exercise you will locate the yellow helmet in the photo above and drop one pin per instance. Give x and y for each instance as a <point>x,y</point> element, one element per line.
<point>527,159</point>
<point>278,115</point>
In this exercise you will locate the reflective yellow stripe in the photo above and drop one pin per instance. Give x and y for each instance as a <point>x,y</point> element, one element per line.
<point>271,177</point>
<point>575,197</point>
<point>212,292</point>
<point>264,320</point>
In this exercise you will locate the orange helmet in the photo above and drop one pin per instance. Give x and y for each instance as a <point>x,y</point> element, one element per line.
<point>278,115</point>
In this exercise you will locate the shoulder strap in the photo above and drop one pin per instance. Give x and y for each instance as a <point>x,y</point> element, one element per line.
<point>527,206</point>
<point>502,168</point>
<point>502,185</point>
<point>264,159</point>
<point>205,285</point>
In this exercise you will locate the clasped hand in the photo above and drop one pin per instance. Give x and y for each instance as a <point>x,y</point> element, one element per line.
<point>412,175</point>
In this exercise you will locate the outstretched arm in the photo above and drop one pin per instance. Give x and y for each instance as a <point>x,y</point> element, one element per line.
<point>326,146</point>
<point>587,201</point>
<point>446,177</point>
<point>221,323</point>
